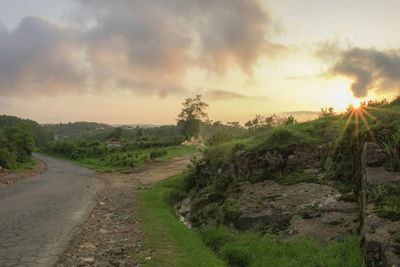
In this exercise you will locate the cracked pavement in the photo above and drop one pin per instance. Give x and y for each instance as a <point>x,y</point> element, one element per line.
<point>39,216</point>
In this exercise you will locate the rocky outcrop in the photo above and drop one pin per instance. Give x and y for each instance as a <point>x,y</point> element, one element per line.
<point>380,235</point>
<point>304,209</point>
<point>299,157</point>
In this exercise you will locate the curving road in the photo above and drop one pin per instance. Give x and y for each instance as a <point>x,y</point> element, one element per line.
<point>39,216</point>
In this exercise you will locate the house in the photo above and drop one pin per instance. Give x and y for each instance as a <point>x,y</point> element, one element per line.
<point>113,142</point>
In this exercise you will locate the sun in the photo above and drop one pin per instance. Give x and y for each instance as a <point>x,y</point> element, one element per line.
<point>356,103</point>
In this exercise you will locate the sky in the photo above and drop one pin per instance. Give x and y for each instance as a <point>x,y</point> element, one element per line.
<point>135,61</point>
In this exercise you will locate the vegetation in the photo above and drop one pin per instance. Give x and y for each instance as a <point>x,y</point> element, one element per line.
<point>391,147</point>
<point>18,139</point>
<point>253,249</point>
<point>387,200</point>
<point>174,243</point>
<point>101,158</point>
<point>192,116</point>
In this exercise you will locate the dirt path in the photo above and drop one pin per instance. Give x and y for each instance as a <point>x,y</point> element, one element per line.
<point>111,236</point>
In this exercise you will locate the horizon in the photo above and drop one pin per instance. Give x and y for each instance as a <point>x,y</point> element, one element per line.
<point>134,62</point>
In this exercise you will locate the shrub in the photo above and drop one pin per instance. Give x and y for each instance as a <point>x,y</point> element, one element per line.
<point>281,138</point>
<point>230,211</point>
<point>237,255</point>
<point>392,148</point>
<point>387,200</point>
<point>8,159</point>
<point>157,154</point>
<point>216,238</point>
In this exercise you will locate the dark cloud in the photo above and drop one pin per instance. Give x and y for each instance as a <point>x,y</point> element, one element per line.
<point>370,69</point>
<point>217,94</point>
<point>40,57</point>
<point>146,46</point>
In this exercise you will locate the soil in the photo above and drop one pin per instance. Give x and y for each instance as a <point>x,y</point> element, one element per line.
<point>8,177</point>
<point>111,236</point>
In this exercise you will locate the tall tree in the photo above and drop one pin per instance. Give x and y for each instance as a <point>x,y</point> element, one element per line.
<point>192,115</point>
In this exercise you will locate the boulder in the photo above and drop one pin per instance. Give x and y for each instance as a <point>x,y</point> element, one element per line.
<point>375,155</point>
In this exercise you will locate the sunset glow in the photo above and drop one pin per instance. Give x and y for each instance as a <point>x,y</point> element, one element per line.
<point>135,61</point>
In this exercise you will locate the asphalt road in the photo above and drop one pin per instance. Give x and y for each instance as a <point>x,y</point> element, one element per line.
<point>39,216</point>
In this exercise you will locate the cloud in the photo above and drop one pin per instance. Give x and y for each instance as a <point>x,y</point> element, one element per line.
<point>40,57</point>
<point>369,69</point>
<point>217,94</point>
<point>144,46</point>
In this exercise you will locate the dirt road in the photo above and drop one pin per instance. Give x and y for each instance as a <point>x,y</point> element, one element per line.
<point>111,236</point>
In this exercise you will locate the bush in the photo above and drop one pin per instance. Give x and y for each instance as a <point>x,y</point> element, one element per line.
<point>230,211</point>
<point>237,255</point>
<point>387,200</point>
<point>157,154</point>
<point>8,159</point>
<point>281,137</point>
<point>391,147</point>
<point>216,238</point>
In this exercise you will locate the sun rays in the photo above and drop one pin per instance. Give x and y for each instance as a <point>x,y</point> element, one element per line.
<point>361,115</point>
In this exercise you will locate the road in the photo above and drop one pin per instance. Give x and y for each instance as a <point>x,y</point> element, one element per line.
<point>39,216</point>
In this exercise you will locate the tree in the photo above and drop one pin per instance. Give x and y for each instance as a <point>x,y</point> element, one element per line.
<point>192,115</point>
<point>116,133</point>
<point>327,112</point>
<point>20,140</point>
<point>139,132</point>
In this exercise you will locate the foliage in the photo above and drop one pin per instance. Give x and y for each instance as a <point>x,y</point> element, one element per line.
<point>387,200</point>
<point>116,133</point>
<point>99,157</point>
<point>297,177</point>
<point>391,146</point>
<point>16,145</point>
<point>40,134</point>
<point>174,243</point>
<point>80,130</point>
<point>262,122</point>
<point>191,117</point>
<point>326,112</point>
<point>218,139</point>
<point>253,249</point>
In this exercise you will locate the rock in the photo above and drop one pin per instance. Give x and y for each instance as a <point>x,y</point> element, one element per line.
<point>88,246</point>
<point>148,258</point>
<point>274,159</point>
<point>375,156</point>
<point>103,231</point>
<point>87,260</point>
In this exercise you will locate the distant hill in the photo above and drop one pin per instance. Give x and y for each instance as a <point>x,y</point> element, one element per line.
<point>79,129</point>
<point>133,126</point>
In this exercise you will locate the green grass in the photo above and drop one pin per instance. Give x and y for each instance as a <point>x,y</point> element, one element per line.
<point>297,177</point>
<point>174,244</point>
<point>26,166</point>
<point>387,200</point>
<point>119,160</point>
<point>255,250</point>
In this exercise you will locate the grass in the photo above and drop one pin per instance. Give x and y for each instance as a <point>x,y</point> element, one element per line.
<point>174,244</point>
<point>297,177</point>
<point>125,160</point>
<point>26,166</point>
<point>387,200</point>
<point>255,250</point>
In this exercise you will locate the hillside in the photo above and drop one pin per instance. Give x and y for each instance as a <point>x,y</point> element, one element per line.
<point>294,181</point>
